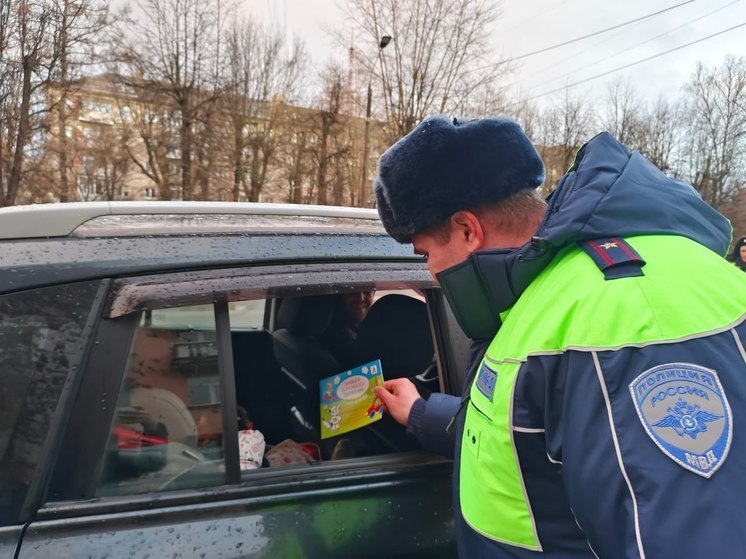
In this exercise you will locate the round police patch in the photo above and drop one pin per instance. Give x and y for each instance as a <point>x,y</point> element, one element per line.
<point>684,410</point>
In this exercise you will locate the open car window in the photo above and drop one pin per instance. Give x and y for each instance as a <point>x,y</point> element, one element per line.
<point>278,396</point>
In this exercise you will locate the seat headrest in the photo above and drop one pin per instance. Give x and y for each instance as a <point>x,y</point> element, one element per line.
<point>306,316</point>
<point>396,330</point>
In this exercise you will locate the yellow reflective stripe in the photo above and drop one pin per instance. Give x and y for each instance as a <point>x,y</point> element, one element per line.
<point>492,493</point>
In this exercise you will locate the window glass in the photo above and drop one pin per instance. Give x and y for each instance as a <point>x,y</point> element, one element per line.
<point>247,314</point>
<point>41,334</point>
<point>167,430</point>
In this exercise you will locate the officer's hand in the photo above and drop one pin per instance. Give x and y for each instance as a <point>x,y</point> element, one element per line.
<point>398,396</point>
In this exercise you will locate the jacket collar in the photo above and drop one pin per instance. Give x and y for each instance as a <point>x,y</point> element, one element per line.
<point>609,191</point>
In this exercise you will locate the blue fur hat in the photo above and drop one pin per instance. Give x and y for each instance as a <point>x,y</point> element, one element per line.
<point>444,166</point>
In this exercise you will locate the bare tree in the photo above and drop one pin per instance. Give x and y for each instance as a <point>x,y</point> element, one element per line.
<point>150,135</point>
<point>105,166</point>
<point>623,114</point>
<point>661,134</point>
<point>438,56</point>
<point>262,78</point>
<point>28,53</point>
<point>565,126</point>
<point>295,158</point>
<point>78,27</point>
<point>527,114</point>
<point>716,150</point>
<point>175,48</point>
<point>42,44</point>
<point>328,124</point>
<point>10,93</point>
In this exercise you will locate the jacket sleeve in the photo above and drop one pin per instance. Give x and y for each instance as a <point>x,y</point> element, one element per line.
<point>428,420</point>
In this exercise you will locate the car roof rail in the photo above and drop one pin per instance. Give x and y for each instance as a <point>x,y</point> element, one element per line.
<point>61,219</point>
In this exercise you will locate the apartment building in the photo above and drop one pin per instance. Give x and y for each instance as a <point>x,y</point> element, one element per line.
<point>113,138</point>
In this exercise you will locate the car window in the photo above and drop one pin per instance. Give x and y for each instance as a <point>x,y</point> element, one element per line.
<point>244,315</point>
<point>167,433</point>
<point>168,421</point>
<point>41,336</point>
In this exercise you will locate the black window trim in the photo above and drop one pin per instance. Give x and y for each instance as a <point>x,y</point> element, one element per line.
<point>277,485</point>
<point>64,409</point>
<point>88,428</point>
<point>227,376</point>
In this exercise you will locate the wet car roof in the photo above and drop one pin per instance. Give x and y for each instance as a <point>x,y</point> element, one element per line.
<point>91,240</point>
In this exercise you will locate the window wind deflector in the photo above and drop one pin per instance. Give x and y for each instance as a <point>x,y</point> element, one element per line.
<point>238,284</point>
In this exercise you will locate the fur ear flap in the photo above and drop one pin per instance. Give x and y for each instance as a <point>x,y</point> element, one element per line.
<point>443,166</point>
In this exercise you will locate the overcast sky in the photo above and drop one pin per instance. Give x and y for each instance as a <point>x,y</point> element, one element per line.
<point>530,25</point>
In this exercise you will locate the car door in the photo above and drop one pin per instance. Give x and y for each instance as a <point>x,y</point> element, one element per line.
<point>150,464</point>
<point>44,334</point>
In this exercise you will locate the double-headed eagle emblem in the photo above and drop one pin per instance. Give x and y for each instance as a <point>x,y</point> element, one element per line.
<point>686,419</point>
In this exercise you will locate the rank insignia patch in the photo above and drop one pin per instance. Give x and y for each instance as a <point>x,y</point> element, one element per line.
<point>486,381</point>
<point>685,411</point>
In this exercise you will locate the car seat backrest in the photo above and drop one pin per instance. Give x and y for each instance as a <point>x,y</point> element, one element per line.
<point>302,359</point>
<point>301,321</point>
<point>306,317</point>
<point>396,330</point>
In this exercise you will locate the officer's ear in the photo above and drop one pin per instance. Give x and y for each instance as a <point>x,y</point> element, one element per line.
<point>467,230</point>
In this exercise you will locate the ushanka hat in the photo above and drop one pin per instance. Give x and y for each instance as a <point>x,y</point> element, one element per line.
<point>444,166</point>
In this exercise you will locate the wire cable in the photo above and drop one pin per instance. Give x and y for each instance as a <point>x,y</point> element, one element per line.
<point>628,49</point>
<point>636,62</point>
<point>562,44</point>
<point>630,22</point>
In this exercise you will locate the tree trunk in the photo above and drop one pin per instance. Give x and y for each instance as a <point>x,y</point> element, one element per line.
<point>238,164</point>
<point>255,188</point>
<point>22,135</point>
<point>67,194</point>
<point>186,151</point>
<point>321,176</point>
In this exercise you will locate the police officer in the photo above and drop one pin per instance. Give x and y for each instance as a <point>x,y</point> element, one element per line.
<point>606,417</point>
<point>738,256</point>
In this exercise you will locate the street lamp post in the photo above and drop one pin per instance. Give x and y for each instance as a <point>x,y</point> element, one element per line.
<point>385,40</point>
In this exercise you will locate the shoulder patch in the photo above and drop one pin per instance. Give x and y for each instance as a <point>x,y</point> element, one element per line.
<point>615,257</point>
<point>685,411</point>
<point>486,381</point>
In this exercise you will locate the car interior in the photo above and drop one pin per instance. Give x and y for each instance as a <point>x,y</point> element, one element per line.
<point>168,428</point>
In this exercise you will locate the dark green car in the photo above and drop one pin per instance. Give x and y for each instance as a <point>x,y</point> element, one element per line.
<point>161,369</point>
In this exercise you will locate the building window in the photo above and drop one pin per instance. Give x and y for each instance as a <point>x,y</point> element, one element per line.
<point>96,107</point>
<point>149,192</point>
<point>97,111</point>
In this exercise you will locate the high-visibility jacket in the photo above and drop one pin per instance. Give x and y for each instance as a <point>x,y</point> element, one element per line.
<point>608,416</point>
